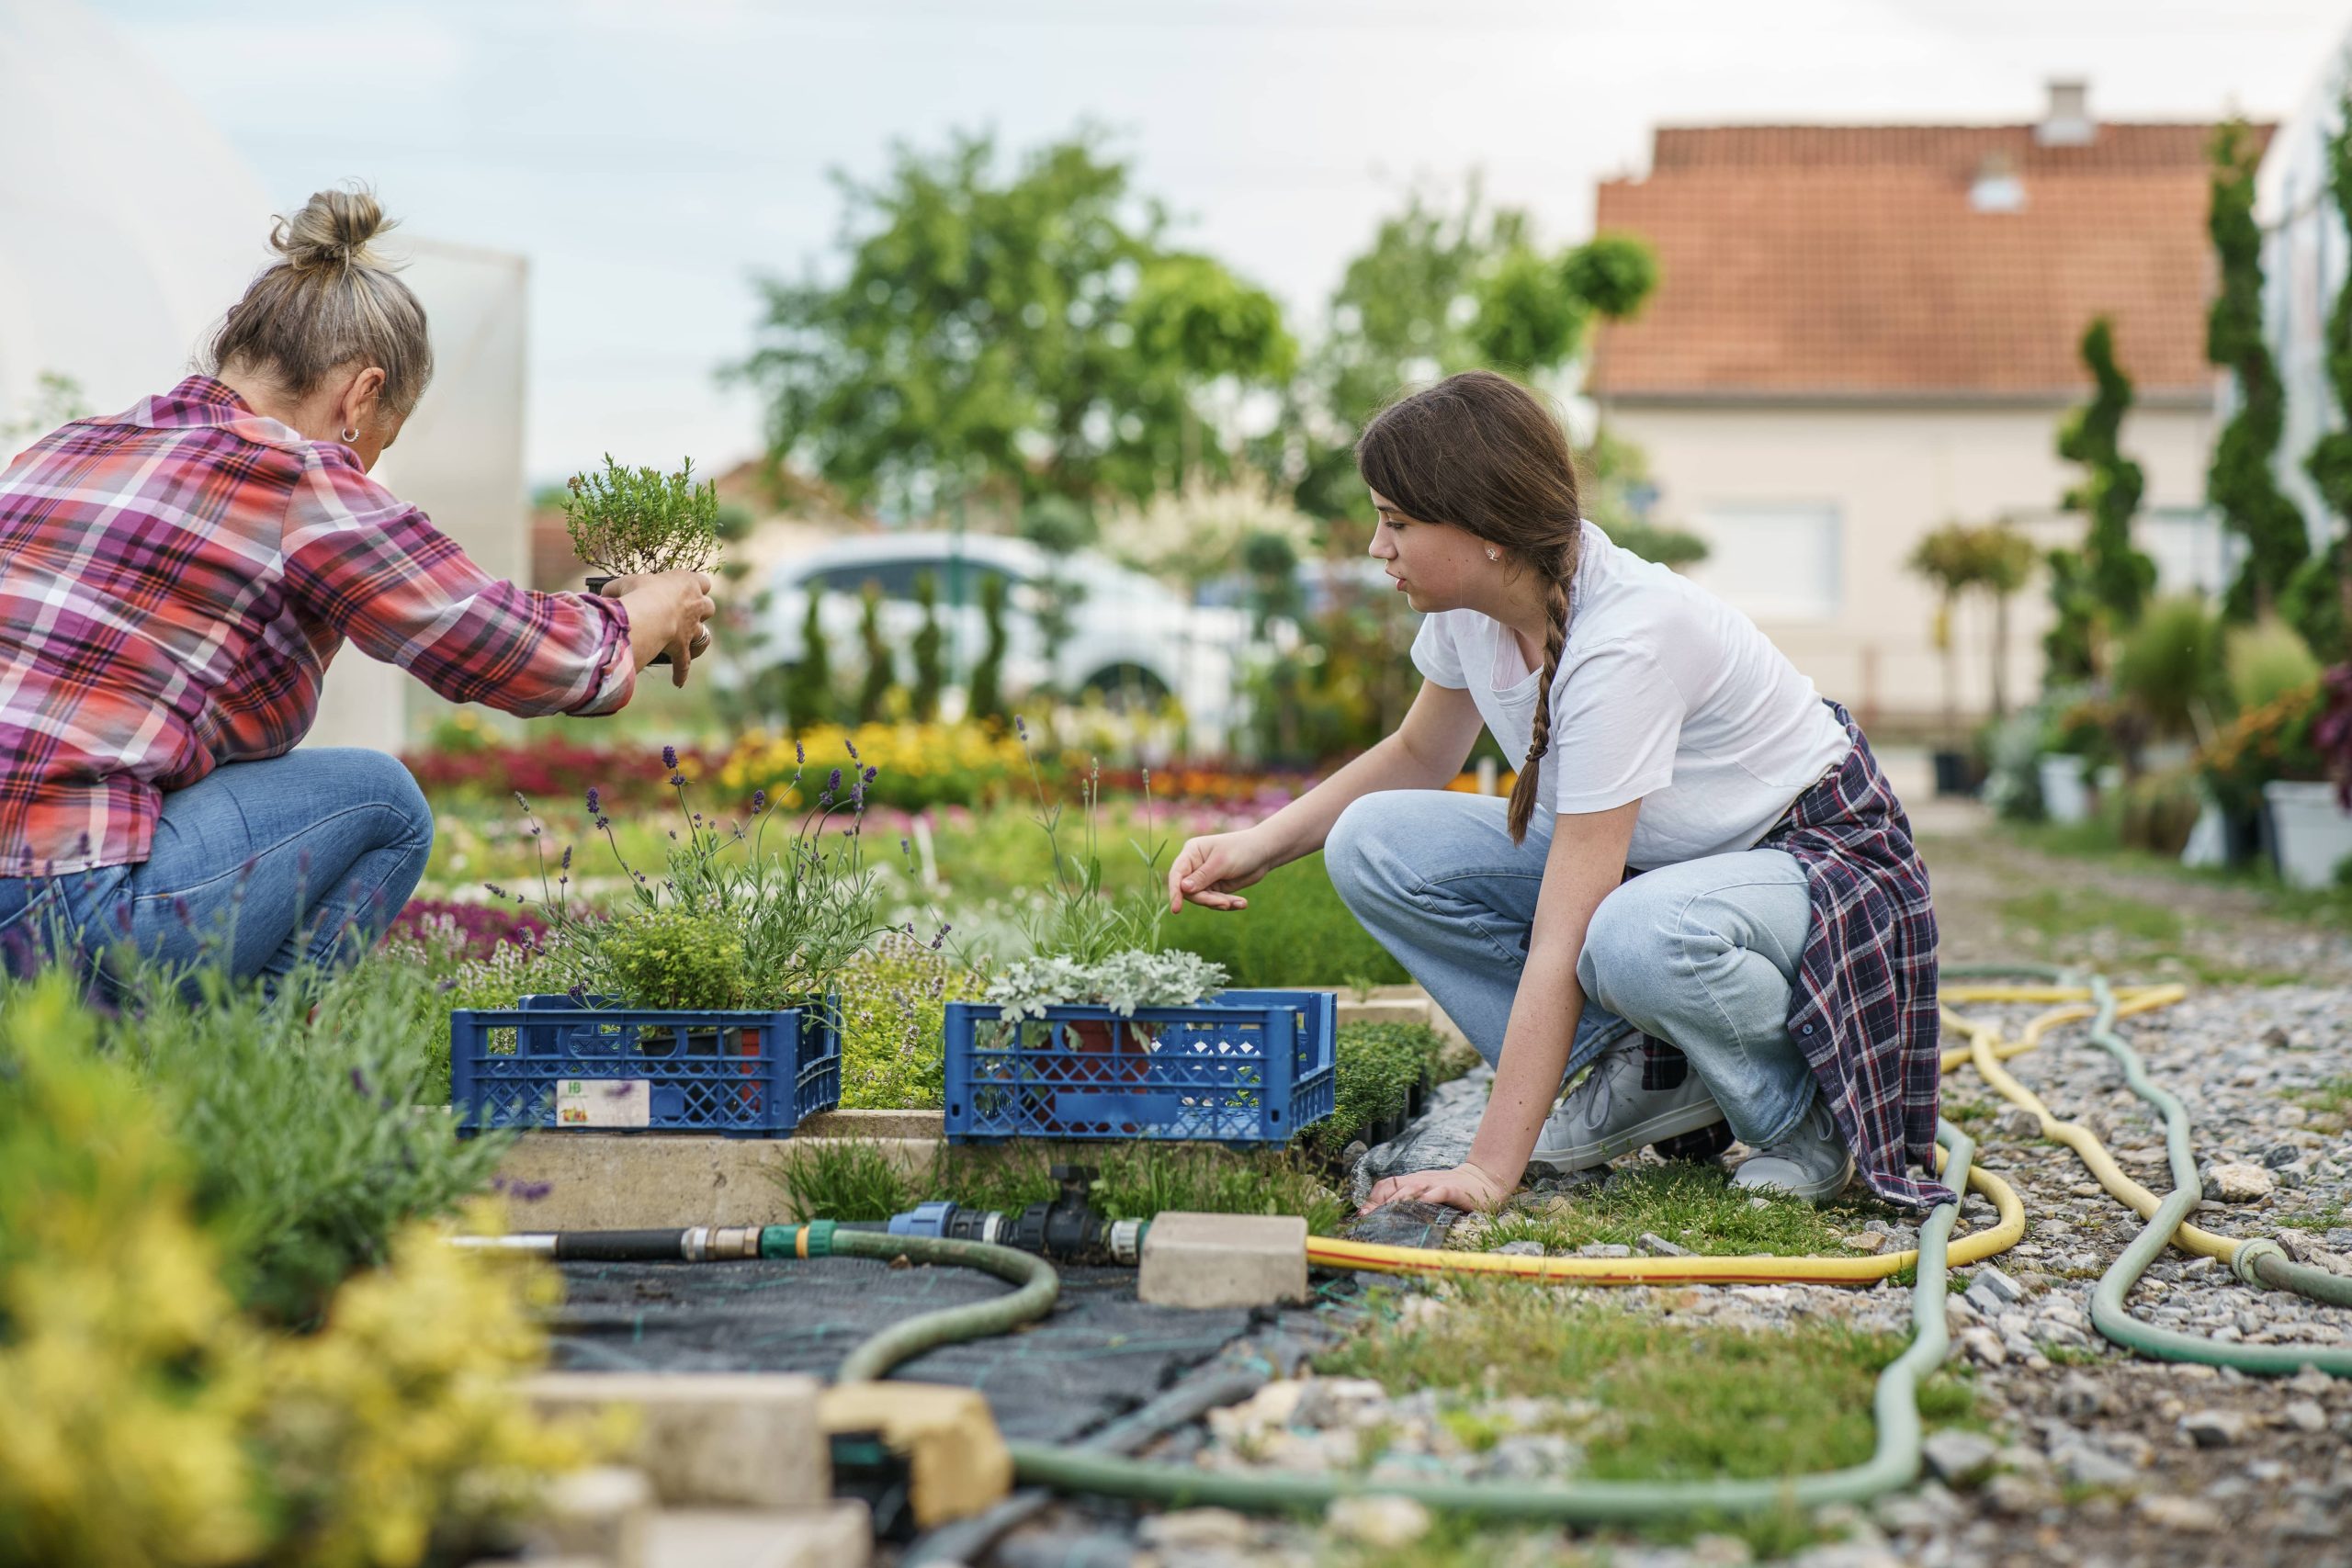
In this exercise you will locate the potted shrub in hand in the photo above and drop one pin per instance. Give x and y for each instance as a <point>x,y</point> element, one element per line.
<point>633,522</point>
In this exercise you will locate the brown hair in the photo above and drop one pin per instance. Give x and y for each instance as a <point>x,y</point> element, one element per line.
<point>329,302</point>
<point>1484,454</point>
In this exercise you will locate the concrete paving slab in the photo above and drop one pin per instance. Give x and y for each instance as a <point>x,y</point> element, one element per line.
<point>1223,1260</point>
<point>737,1440</point>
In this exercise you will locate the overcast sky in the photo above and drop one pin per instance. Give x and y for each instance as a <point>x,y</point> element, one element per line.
<point>649,159</point>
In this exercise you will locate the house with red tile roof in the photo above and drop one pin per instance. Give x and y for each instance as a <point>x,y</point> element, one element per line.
<point>1862,332</point>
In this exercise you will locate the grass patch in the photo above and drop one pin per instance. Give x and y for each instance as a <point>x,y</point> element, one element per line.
<point>2077,911</point>
<point>847,1178</point>
<point>2332,1102</point>
<point>1691,1206</point>
<point>2326,1217</point>
<point>1684,1402</point>
<point>1375,1069</point>
<point>1295,933</point>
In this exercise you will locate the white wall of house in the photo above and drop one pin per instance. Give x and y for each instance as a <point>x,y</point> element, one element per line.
<point>1810,513</point>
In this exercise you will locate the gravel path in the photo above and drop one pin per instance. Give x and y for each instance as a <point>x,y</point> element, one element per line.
<point>2089,1455</point>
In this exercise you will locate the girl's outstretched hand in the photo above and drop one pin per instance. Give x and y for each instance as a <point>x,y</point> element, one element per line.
<point>1209,870</point>
<point>1466,1187</point>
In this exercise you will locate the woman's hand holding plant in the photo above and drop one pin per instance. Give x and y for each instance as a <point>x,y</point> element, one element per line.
<point>666,612</point>
<point>1209,870</point>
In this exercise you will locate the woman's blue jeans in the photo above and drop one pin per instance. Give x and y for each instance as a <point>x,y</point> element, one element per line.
<point>256,868</point>
<point>1700,956</point>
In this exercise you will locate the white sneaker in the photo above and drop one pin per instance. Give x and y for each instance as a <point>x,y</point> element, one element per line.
<point>1812,1162</point>
<point>1610,1113</point>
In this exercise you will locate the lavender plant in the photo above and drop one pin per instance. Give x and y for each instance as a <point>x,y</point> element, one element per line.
<point>790,915</point>
<point>624,522</point>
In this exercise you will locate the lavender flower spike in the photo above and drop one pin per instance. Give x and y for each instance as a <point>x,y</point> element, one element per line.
<point>670,758</point>
<point>596,802</point>
<point>852,748</point>
<point>759,801</point>
<point>1020,727</point>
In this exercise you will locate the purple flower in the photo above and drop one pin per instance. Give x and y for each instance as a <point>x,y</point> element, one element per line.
<point>852,748</point>
<point>833,783</point>
<point>905,846</point>
<point>759,801</point>
<point>595,803</point>
<point>825,798</point>
<point>494,890</point>
<point>799,754</point>
<point>670,758</point>
<point>678,780</point>
<point>603,823</point>
<point>868,774</point>
<point>1020,727</point>
<point>567,857</point>
<point>358,1082</point>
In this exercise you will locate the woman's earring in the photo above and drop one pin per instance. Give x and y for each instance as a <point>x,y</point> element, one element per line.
<point>350,437</point>
<point>1493,554</point>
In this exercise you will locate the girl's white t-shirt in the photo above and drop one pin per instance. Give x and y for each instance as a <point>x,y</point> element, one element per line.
<point>1666,694</point>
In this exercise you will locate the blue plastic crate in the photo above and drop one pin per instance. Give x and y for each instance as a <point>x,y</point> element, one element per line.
<point>553,1062</point>
<point>1249,1067</point>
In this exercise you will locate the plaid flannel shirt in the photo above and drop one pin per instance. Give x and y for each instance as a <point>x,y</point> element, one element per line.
<point>174,582</point>
<point>1864,1007</point>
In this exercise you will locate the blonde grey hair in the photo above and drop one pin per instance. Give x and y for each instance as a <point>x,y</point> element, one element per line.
<point>329,303</point>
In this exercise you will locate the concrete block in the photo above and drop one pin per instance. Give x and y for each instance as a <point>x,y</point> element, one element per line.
<point>1223,1260</point>
<point>744,1439</point>
<point>923,1125</point>
<point>597,1181</point>
<point>840,1535</point>
<point>600,1513</point>
<point>957,1461</point>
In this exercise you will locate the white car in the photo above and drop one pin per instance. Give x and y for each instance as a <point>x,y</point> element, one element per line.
<point>1131,637</point>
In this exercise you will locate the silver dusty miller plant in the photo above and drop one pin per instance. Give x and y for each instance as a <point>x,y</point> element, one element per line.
<point>1122,981</point>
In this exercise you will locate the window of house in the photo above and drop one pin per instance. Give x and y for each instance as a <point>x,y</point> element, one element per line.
<point>1775,560</point>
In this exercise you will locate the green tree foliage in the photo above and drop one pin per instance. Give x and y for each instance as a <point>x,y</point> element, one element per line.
<point>985,697</point>
<point>931,668</point>
<point>1033,333</point>
<point>1444,287</point>
<point>881,669</point>
<point>2239,483</point>
<point>1611,471</point>
<point>2070,648</point>
<point>2318,600</point>
<point>1060,529</point>
<point>809,684</point>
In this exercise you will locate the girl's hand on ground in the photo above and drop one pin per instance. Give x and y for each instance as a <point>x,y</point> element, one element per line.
<point>1209,870</point>
<point>1466,1187</point>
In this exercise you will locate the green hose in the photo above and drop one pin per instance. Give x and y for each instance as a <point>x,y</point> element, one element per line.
<point>875,1357</point>
<point>1894,1464</point>
<point>2257,1262</point>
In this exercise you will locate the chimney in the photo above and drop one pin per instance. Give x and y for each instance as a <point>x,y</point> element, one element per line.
<point>2068,122</point>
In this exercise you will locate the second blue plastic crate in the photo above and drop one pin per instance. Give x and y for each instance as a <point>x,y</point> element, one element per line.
<point>1247,1067</point>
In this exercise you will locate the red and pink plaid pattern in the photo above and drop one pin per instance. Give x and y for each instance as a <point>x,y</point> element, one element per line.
<point>173,581</point>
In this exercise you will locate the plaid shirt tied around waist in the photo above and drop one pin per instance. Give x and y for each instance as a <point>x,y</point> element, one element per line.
<point>174,582</point>
<point>1863,1005</point>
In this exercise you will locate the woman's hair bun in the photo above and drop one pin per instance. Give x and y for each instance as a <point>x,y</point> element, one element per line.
<point>332,230</point>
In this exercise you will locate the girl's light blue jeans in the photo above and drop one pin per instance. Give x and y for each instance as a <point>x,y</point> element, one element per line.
<point>255,868</point>
<point>1700,954</point>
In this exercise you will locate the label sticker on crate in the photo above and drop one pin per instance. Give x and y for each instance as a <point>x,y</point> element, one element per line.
<point>604,1102</point>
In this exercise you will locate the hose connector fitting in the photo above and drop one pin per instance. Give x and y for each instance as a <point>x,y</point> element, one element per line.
<point>2249,1256</point>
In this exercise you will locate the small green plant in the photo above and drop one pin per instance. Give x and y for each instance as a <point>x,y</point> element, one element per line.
<point>1121,981</point>
<point>809,699</point>
<point>984,700</point>
<point>1375,1067</point>
<point>1079,921</point>
<point>894,1000</point>
<point>930,640</point>
<point>673,956</point>
<point>881,668</point>
<point>627,521</point>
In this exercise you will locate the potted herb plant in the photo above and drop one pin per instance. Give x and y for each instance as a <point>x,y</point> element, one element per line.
<point>706,1001</point>
<point>1101,1031</point>
<point>633,522</point>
